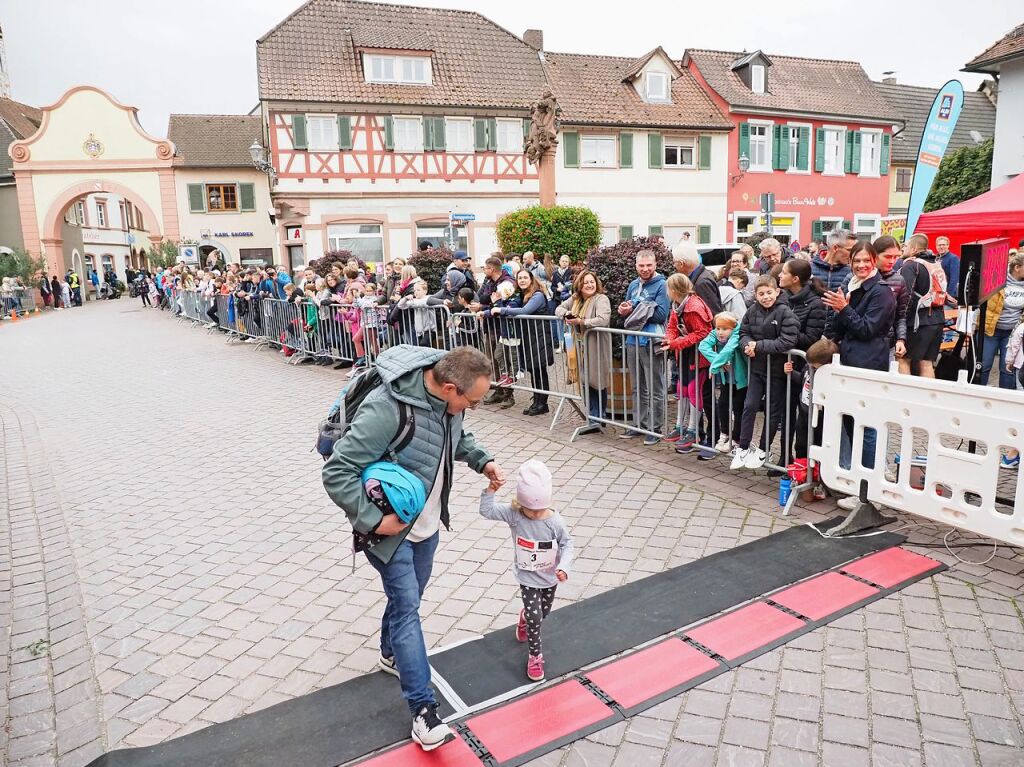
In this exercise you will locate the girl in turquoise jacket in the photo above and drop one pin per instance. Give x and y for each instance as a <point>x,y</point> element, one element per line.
<point>729,368</point>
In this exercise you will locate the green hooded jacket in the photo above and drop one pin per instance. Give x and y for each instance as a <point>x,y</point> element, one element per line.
<point>373,429</point>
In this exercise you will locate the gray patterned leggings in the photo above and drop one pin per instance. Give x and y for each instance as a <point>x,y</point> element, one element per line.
<point>536,606</point>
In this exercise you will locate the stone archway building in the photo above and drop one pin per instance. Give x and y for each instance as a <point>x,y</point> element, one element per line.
<point>64,161</point>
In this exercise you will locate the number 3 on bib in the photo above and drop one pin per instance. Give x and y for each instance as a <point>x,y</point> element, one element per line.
<point>533,556</point>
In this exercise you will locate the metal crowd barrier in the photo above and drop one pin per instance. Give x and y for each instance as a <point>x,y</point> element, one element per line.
<point>20,300</point>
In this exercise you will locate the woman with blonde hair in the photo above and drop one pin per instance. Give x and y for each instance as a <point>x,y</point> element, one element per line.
<point>588,307</point>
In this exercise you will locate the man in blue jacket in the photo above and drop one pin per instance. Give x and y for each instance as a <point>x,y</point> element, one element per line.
<point>950,265</point>
<point>644,359</point>
<point>832,266</point>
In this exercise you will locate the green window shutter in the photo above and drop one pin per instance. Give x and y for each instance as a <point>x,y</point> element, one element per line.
<point>848,226</point>
<point>803,149</point>
<point>439,137</point>
<point>849,151</point>
<point>745,140</point>
<point>780,142</point>
<point>655,156</point>
<point>428,134</point>
<point>492,134</point>
<point>480,135</point>
<point>703,234</point>
<point>389,134</point>
<point>883,166</point>
<point>344,132</point>
<point>526,132</point>
<point>299,140</point>
<point>196,198</point>
<point>625,233</point>
<point>247,196</point>
<point>571,150</point>
<point>625,150</point>
<point>653,230</point>
<point>819,149</point>
<point>704,153</point>
<point>816,231</point>
<point>855,163</point>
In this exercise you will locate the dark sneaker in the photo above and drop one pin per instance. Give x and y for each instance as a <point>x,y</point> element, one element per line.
<point>650,439</point>
<point>428,730</point>
<point>673,436</point>
<point>387,665</point>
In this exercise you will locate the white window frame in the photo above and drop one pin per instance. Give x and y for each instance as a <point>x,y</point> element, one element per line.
<point>768,126</point>
<point>609,235</point>
<point>397,64</point>
<point>874,172</point>
<point>453,146</point>
<point>321,144</point>
<point>510,135</point>
<point>663,95</point>
<point>584,140</point>
<point>101,215</point>
<point>841,130</point>
<point>810,148</point>
<point>334,238</point>
<point>680,142</point>
<point>754,214</point>
<point>829,219</point>
<point>758,78</point>
<point>875,232</point>
<point>427,230</point>
<point>416,145</point>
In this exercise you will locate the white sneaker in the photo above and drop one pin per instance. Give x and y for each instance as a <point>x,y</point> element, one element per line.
<point>723,445</point>
<point>849,503</point>
<point>739,460</point>
<point>388,665</point>
<point>755,458</point>
<point>428,730</point>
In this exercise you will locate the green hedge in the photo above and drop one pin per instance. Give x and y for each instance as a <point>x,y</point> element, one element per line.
<point>550,231</point>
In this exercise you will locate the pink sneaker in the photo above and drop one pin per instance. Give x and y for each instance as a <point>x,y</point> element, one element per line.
<point>535,668</point>
<point>521,628</point>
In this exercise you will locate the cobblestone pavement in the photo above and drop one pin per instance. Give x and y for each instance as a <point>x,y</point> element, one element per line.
<point>168,560</point>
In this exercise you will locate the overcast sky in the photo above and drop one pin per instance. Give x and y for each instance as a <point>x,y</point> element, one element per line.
<point>200,55</point>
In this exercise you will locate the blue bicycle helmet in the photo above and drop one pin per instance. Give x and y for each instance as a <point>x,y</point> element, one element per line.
<point>394,490</point>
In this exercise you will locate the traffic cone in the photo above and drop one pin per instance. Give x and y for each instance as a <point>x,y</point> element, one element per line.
<point>14,315</point>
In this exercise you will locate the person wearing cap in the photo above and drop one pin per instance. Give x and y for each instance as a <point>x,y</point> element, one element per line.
<point>542,552</point>
<point>460,263</point>
<point>420,402</point>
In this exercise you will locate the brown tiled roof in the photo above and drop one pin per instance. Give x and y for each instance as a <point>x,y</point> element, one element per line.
<point>591,91</point>
<point>809,86</point>
<point>638,64</point>
<point>214,141</point>
<point>1008,47</point>
<point>22,119</point>
<point>313,56</point>
<point>914,103</point>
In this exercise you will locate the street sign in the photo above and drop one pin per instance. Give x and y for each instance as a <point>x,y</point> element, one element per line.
<point>462,216</point>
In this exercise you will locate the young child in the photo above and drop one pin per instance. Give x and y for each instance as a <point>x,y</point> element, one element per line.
<point>465,326</point>
<point>733,291</point>
<point>769,328</point>
<point>688,324</point>
<point>819,353</point>
<point>542,548</point>
<point>730,368</point>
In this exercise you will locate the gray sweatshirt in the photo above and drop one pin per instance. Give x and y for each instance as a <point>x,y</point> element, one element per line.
<point>1013,304</point>
<point>533,540</point>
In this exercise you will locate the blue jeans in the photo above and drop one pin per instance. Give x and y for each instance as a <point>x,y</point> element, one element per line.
<point>598,399</point>
<point>996,345</point>
<point>401,637</point>
<point>846,445</point>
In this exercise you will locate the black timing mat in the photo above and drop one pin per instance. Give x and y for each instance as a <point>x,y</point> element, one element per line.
<point>321,729</point>
<point>365,714</point>
<point>628,616</point>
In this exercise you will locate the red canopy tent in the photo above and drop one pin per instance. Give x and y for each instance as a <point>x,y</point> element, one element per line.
<point>996,213</point>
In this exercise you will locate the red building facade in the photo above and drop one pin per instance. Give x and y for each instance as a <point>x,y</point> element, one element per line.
<point>815,133</point>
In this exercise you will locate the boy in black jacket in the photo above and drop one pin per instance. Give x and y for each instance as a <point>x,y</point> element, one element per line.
<point>768,328</point>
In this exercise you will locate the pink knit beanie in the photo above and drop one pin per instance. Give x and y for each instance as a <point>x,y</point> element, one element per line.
<point>533,488</point>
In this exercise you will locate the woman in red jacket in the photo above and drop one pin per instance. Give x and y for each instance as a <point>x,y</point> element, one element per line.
<point>689,323</point>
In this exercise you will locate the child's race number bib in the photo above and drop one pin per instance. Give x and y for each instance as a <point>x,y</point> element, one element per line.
<point>532,556</point>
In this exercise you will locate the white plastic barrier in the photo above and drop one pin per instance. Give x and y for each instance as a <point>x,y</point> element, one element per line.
<point>959,487</point>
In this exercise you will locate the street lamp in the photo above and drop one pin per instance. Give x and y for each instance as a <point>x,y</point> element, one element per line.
<point>259,160</point>
<point>744,163</point>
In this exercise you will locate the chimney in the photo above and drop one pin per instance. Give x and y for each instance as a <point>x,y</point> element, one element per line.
<point>990,88</point>
<point>534,38</point>
<point>888,78</point>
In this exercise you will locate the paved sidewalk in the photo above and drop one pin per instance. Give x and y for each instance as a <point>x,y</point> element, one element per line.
<point>168,560</point>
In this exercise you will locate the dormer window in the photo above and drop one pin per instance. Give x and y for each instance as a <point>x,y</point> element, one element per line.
<point>757,78</point>
<point>404,70</point>
<point>656,86</point>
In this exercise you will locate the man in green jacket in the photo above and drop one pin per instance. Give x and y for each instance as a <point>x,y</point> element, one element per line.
<point>437,387</point>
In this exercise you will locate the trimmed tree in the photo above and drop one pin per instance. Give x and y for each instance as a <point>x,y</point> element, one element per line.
<point>431,265</point>
<point>21,264</point>
<point>550,231</point>
<point>615,265</point>
<point>964,174</point>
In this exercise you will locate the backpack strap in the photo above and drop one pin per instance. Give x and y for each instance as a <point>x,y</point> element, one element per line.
<point>405,431</point>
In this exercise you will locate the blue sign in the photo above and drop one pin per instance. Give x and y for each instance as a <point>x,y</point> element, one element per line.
<point>937,132</point>
<point>463,217</point>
